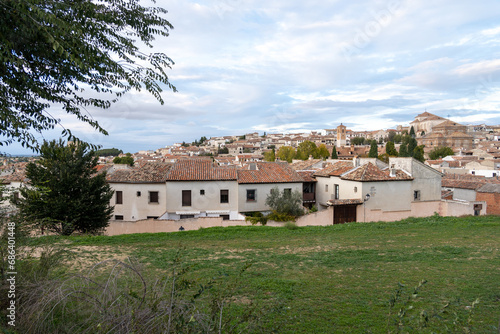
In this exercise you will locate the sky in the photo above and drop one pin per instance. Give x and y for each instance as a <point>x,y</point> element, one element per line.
<point>287,66</point>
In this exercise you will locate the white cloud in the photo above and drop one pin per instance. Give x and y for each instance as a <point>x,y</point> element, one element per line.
<point>279,65</point>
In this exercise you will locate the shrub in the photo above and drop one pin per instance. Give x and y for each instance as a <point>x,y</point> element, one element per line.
<point>255,218</point>
<point>291,226</point>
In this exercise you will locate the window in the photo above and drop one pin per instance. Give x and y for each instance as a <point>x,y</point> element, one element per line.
<point>287,191</point>
<point>153,197</point>
<point>224,217</point>
<point>337,193</point>
<point>186,198</point>
<point>251,195</point>
<point>119,197</point>
<point>118,217</point>
<point>416,195</point>
<point>202,192</point>
<point>138,194</point>
<point>355,189</point>
<point>187,216</point>
<point>16,197</point>
<point>326,188</point>
<point>152,217</point>
<point>224,196</point>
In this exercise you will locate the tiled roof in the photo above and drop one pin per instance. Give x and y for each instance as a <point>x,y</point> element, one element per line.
<point>489,188</point>
<point>14,172</point>
<point>336,169</point>
<point>305,164</point>
<point>370,172</point>
<point>200,170</point>
<point>336,202</point>
<point>150,172</point>
<point>461,183</point>
<point>269,172</point>
<point>307,176</point>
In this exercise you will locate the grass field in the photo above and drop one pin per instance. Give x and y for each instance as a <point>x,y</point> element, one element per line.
<point>334,279</point>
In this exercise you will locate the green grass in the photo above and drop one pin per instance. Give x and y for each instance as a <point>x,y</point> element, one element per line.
<point>338,279</point>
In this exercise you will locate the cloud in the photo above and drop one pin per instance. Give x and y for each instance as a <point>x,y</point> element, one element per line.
<point>282,65</point>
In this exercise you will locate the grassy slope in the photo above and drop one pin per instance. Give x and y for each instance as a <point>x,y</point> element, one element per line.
<point>338,279</point>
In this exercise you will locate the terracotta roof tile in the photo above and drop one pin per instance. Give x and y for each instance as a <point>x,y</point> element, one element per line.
<point>269,172</point>
<point>336,202</point>
<point>307,176</point>
<point>370,172</point>
<point>149,172</point>
<point>336,169</point>
<point>200,170</point>
<point>305,164</point>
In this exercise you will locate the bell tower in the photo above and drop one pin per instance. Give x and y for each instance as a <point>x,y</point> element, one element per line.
<point>341,135</point>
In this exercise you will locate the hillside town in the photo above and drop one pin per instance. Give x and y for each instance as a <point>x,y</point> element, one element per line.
<point>227,178</point>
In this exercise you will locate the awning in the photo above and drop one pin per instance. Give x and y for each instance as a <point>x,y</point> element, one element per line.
<point>187,212</point>
<point>336,202</point>
<point>215,212</point>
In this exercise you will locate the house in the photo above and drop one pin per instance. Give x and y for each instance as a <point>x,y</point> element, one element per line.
<point>257,179</point>
<point>490,193</point>
<point>140,191</point>
<point>199,188</point>
<point>366,190</point>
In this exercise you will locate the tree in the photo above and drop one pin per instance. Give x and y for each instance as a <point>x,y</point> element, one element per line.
<point>412,132</point>
<point>403,150</point>
<point>270,155</point>
<point>223,150</point>
<point>323,151</point>
<point>412,144</point>
<point>334,153</point>
<point>307,148</point>
<point>285,202</point>
<point>390,149</point>
<point>373,149</point>
<point>128,159</point>
<point>60,53</point>
<point>397,139</point>
<point>108,152</point>
<point>418,153</point>
<point>286,153</point>
<point>440,152</point>
<point>391,136</point>
<point>65,193</point>
<point>357,141</point>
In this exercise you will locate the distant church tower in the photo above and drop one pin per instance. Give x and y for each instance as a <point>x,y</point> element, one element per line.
<point>341,135</point>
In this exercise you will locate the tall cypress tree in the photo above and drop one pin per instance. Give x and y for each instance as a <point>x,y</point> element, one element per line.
<point>373,149</point>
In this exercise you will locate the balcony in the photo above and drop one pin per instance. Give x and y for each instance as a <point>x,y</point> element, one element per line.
<point>308,197</point>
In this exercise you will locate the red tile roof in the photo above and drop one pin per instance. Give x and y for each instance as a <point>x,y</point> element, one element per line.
<point>200,170</point>
<point>370,172</point>
<point>336,169</point>
<point>307,176</point>
<point>269,172</point>
<point>149,172</point>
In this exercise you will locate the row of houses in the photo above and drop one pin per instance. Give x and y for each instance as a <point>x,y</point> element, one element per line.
<point>197,188</point>
<point>358,190</point>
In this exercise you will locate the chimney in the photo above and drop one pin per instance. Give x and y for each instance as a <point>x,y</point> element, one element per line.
<point>356,161</point>
<point>392,171</point>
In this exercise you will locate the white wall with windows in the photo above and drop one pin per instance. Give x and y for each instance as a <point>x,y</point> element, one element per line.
<point>252,196</point>
<point>135,201</point>
<point>193,199</point>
